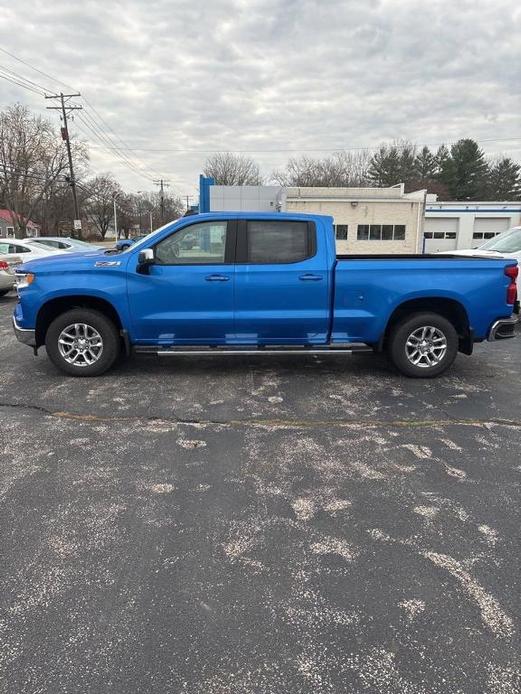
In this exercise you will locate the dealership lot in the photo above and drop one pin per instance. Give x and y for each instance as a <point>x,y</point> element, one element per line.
<point>260,525</point>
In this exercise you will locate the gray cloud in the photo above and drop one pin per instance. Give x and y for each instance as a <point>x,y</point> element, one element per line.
<point>274,74</point>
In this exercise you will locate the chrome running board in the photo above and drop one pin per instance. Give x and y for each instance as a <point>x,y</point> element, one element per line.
<point>246,350</point>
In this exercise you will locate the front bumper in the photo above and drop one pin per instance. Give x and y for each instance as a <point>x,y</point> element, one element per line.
<point>27,337</point>
<point>503,329</point>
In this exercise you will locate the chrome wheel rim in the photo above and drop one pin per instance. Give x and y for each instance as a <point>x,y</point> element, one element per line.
<point>80,344</point>
<point>426,347</point>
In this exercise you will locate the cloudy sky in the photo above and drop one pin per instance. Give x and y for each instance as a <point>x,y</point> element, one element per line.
<point>177,79</point>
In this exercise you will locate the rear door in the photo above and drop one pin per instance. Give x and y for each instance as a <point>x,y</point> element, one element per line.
<point>186,296</point>
<point>281,283</point>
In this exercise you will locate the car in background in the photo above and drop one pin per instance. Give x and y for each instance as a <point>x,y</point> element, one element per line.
<point>11,248</point>
<point>504,245</point>
<point>7,274</point>
<point>67,244</point>
<point>123,244</point>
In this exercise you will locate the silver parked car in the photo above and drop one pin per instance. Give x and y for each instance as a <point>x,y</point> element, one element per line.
<point>7,276</point>
<point>61,243</point>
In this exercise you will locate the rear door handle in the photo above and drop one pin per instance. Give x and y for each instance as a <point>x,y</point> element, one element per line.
<point>217,278</point>
<point>309,277</point>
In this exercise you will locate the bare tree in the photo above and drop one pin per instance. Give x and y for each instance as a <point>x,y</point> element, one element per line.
<point>229,169</point>
<point>342,169</point>
<point>32,159</point>
<point>100,201</point>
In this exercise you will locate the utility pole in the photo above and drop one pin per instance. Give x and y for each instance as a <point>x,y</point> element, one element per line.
<point>65,136</point>
<point>188,197</point>
<point>162,185</point>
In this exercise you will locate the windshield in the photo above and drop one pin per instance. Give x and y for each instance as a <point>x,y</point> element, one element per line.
<point>509,242</point>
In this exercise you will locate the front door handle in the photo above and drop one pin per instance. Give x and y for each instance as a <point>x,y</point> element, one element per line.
<point>217,278</point>
<point>309,277</point>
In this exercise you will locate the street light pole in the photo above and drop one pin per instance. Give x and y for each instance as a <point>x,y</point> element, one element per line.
<point>115,197</point>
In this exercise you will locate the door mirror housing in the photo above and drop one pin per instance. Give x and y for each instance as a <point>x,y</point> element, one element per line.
<point>146,257</point>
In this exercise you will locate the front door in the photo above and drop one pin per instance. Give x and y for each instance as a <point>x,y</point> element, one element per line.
<point>186,296</point>
<point>281,284</point>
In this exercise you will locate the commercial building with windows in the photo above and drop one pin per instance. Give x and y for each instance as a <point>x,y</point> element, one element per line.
<point>453,225</point>
<point>367,220</point>
<point>376,220</point>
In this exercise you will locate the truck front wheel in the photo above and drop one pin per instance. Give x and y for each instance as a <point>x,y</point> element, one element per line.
<point>423,345</point>
<point>82,342</point>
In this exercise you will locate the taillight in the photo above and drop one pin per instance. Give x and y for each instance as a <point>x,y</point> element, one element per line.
<point>3,265</point>
<point>512,271</point>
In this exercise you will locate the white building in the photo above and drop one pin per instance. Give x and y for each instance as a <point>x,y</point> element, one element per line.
<point>452,225</point>
<point>367,220</point>
<point>379,220</point>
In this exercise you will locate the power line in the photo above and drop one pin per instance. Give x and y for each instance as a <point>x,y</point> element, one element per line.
<point>106,144</point>
<point>27,81</point>
<point>300,149</point>
<point>44,74</point>
<point>106,140</point>
<point>19,83</point>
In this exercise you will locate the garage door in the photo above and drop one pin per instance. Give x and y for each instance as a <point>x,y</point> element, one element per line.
<point>440,234</point>
<point>487,227</point>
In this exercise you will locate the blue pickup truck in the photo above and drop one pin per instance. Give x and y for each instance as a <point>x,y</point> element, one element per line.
<point>260,282</point>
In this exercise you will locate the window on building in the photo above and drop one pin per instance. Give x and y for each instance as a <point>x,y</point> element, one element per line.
<point>341,232</point>
<point>387,232</point>
<point>381,232</point>
<point>10,232</point>
<point>279,242</point>
<point>363,232</point>
<point>375,232</point>
<point>480,235</point>
<point>439,235</point>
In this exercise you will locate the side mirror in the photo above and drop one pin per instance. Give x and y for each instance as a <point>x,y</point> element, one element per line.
<point>146,257</point>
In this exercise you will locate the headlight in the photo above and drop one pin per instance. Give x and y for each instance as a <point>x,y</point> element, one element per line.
<point>24,279</point>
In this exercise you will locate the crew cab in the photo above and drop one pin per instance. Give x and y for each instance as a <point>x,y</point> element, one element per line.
<point>249,282</point>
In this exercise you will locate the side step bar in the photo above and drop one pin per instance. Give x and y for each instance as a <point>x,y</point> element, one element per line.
<point>226,350</point>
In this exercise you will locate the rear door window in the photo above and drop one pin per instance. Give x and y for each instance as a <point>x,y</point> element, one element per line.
<point>276,242</point>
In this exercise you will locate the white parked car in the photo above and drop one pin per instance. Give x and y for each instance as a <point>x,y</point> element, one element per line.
<point>506,245</point>
<point>62,243</point>
<point>7,276</point>
<point>12,248</point>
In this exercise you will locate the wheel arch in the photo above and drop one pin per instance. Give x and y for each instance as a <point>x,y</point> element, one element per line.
<point>54,307</point>
<point>451,309</point>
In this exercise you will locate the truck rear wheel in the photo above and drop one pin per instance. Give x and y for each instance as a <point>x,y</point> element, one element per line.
<point>423,345</point>
<point>82,342</point>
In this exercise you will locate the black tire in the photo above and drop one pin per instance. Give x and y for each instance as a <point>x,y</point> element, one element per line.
<point>98,322</point>
<point>401,349</point>
<point>3,292</point>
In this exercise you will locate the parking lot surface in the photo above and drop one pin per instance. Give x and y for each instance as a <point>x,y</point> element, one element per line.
<point>255,525</point>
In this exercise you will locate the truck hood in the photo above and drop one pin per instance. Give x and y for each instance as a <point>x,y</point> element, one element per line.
<point>64,262</point>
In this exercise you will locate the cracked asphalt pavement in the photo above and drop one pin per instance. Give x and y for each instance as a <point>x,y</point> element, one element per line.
<point>257,525</point>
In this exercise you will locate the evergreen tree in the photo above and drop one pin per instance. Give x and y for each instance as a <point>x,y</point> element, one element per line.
<point>443,165</point>
<point>393,164</point>
<point>425,166</point>
<point>504,180</point>
<point>467,171</point>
